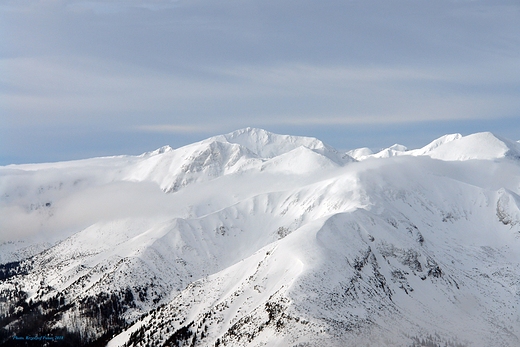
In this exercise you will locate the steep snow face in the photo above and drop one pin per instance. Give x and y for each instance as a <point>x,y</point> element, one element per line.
<point>253,238</point>
<point>202,161</point>
<point>436,143</point>
<point>268,145</point>
<point>508,207</point>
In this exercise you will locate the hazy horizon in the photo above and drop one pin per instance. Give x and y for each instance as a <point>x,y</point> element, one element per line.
<point>83,79</point>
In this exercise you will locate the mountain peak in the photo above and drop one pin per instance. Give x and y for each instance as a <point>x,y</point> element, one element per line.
<point>483,145</point>
<point>452,147</point>
<point>163,149</point>
<point>437,143</point>
<point>249,131</point>
<point>266,144</point>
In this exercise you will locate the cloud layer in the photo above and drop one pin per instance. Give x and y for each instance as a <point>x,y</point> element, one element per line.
<point>200,67</point>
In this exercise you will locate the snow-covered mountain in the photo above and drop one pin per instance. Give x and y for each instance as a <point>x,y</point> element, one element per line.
<point>259,239</point>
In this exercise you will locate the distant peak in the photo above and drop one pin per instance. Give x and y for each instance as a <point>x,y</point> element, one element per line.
<point>360,153</point>
<point>437,142</point>
<point>486,137</point>
<point>398,148</point>
<point>483,145</point>
<point>249,132</point>
<point>161,150</point>
<point>266,144</point>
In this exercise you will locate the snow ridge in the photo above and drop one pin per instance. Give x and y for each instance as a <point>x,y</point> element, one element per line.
<point>253,238</point>
<point>452,147</point>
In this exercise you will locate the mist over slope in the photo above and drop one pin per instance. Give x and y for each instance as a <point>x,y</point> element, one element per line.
<point>253,238</point>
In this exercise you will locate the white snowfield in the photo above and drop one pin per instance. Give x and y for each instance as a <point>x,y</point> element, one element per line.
<point>259,239</point>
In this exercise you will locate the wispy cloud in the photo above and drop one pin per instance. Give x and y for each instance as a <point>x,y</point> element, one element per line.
<point>341,94</point>
<point>199,66</point>
<point>173,128</point>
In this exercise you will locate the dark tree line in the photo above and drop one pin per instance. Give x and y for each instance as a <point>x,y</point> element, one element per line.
<point>35,319</point>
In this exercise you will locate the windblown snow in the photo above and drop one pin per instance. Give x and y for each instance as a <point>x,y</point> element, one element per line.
<point>259,239</point>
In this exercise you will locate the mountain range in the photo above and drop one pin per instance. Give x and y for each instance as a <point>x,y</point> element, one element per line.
<point>259,239</point>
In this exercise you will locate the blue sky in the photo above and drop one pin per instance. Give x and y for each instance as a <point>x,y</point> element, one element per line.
<point>93,78</point>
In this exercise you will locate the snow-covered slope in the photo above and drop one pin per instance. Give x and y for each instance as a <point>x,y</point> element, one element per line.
<point>258,239</point>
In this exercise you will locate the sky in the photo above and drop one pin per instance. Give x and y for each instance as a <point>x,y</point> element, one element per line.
<point>80,79</point>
